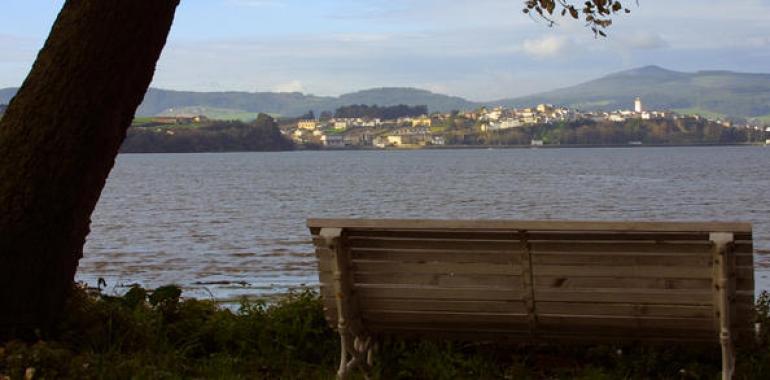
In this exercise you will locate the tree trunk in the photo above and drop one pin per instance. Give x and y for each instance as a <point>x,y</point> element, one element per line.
<point>58,142</point>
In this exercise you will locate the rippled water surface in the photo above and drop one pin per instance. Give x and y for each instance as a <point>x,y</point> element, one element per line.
<point>228,225</point>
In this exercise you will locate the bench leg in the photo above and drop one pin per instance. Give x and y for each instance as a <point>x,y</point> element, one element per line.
<point>725,286</point>
<point>355,353</point>
<point>728,356</point>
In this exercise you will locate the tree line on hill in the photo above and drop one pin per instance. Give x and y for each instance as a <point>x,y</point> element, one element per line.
<point>217,136</point>
<point>685,131</point>
<point>377,112</point>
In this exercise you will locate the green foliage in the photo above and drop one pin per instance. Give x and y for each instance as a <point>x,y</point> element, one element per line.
<point>375,111</point>
<point>141,121</point>
<point>220,136</point>
<point>651,132</point>
<point>156,334</point>
<point>159,335</point>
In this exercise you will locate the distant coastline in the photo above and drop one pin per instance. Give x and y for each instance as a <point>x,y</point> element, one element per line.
<point>476,147</point>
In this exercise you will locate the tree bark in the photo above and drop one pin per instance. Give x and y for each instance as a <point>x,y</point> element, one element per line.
<point>58,142</point>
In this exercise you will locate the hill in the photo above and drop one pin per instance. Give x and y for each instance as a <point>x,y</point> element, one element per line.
<point>6,94</point>
<point>245,105</point>
<point>709,93</point>
<point>393,96</point>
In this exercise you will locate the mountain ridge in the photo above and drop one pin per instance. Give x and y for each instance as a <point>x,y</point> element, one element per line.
<point>709,92</point>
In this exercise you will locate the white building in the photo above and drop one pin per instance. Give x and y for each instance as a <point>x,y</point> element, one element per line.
<point>333,141</point>
<point>341,124</point>
<point>638,107</point>
<point>307,124</point>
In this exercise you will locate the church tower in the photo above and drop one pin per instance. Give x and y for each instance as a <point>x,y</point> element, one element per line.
<point>638,105</point>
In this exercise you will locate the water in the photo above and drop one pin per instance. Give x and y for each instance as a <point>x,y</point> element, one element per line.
<point>229,225</point>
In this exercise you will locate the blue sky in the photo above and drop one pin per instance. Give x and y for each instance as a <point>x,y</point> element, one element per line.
<point>481,49</point>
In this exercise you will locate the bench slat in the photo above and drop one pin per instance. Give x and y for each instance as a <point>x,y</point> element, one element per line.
<point>531,225</point>
<point>378,291</point>
<point>513,307</point>
<point>621,259</point>
<point>455,318</point>
<point>442,280</point>
<point>625,309</point>
<point>441,268</point>
<point>433,255</point>
<point>639,296</point>
<point>637,271</point>
<point>442,244</point>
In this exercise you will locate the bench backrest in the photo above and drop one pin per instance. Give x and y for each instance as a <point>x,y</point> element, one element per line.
<point>513,280</point>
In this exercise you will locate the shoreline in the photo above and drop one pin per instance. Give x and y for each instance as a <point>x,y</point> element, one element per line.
<point>478,147</point>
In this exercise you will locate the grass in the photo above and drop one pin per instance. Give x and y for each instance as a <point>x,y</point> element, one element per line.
<point>215,113</point>
<point>138,121</point>
<point>764,119</point>
<point>701,112</point>
<point>157,335</point>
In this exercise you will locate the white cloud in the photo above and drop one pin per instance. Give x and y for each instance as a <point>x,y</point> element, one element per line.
<point>292,86</point>
<point>644,40</point>
<point>546,47</point>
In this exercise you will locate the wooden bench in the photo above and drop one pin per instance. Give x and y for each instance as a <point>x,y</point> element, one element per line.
<point>536,281</point>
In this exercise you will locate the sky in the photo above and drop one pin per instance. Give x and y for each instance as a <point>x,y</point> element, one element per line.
<point>480,49</point>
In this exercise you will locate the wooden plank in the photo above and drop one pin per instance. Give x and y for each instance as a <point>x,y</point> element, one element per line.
<point>619,236</point>
<point>744,260</point>
<point>348,315</point>
<point>440,280</point>
<point>324,263</point>
<point>627,226</point>
<point>445,318</point>
<point>551,337</point>
<point>528,283</point>
<point>623,271</point>
<point>593,323</point>
<point>513,307</point>
<point>622,259</point>
<point>432,255</point>
<point>442,268</point>
<point>438,234</point>
<point>624,309</point>
<point>568,282</point>
<point>610,335</point>
<point>640,296</point>
<point>743,248</point>
<point>610,246</point>
<point>436,244</point>
<point>469,332</point>
<point>392,291</point>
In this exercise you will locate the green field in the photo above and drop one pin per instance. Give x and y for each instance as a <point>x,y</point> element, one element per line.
<point>214,113</point>
<point>138,121</point>
<point>764,119</point>
<point>699,111</point>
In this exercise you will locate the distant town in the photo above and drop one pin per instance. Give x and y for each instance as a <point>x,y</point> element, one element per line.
<point>413,127</point>
<point>437,129</point>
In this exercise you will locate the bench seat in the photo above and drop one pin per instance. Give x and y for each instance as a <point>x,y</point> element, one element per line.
<point>535,281</point>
